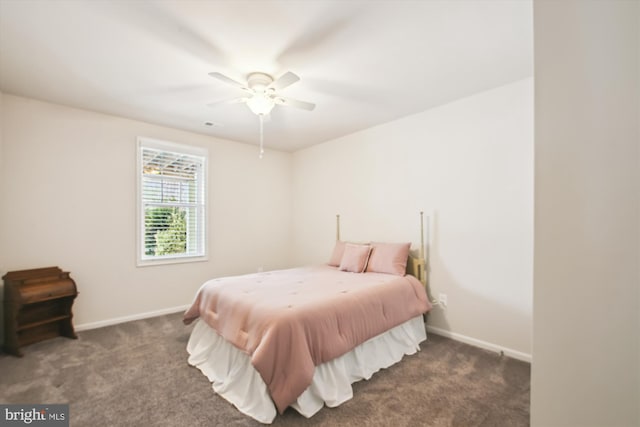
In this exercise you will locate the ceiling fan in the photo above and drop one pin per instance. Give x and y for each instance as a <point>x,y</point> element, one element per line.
<point>263,95</point>
<point>263,92</point>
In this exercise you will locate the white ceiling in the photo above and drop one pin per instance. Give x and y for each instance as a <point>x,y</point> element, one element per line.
<point>362,62</point>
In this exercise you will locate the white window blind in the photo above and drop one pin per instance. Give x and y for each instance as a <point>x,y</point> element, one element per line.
<point>171,196</point>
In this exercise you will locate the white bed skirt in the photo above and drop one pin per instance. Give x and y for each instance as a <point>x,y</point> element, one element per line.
<point>234,378</point>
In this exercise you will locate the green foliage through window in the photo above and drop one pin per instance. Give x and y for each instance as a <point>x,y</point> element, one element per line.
<point>165,231</point>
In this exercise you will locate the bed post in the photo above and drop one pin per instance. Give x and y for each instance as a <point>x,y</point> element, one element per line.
<point>337,227</point>
<point>425,246</point>
<point>424,256</point>
<point>423,253</point>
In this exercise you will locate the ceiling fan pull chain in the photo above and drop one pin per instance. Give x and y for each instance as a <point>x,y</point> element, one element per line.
<point>261,136</point>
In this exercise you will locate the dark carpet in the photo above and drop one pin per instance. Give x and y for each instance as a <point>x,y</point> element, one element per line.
<point>136,373</point>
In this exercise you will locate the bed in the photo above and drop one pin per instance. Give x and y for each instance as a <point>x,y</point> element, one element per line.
<point>300,337</point>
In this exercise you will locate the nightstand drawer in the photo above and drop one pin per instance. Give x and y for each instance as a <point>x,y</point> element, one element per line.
<point>31,293</point>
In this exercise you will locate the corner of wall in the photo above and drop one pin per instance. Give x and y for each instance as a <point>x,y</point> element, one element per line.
<point>2,181</point>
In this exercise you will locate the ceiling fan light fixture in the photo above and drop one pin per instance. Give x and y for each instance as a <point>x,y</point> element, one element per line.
<point>263,90</point>
<point>260,104</point>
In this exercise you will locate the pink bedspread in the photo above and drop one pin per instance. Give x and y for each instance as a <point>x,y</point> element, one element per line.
<point>290,321</point>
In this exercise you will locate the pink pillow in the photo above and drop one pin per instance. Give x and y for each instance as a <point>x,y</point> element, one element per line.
<point>355,258</point>
<point>336,256</point>
<point>390,258</point>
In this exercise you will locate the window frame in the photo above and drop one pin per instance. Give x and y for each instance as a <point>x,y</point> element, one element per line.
<point>142,143</point>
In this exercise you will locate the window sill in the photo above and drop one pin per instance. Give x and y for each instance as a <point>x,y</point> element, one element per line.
<point>165,261</point>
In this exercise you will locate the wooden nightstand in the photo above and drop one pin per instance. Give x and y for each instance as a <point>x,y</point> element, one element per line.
<point>37,306</point>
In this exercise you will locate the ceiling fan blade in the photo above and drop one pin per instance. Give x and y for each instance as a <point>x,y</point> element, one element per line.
<point>285,80</point>
<point>228,101</point>
<point>229,80</point>
<point>288,102</point>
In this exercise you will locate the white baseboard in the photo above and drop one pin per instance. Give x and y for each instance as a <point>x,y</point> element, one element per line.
<point>482,344</point>
<point>139,316</point>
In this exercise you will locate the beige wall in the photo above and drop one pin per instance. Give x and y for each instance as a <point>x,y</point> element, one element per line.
<point>68,194</point>
<point>1,122</point>
<point>469,165</point>
<point>3,206</point>
<point>586,359</point>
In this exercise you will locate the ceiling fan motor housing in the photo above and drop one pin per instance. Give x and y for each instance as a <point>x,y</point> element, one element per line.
<point>259,81</point>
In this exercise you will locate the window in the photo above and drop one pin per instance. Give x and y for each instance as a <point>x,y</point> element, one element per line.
<point>171,202</point>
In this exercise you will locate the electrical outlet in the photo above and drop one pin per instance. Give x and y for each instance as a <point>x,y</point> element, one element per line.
<point>442,299</point>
